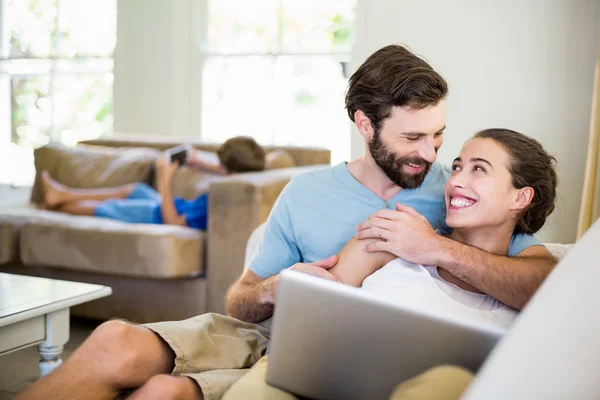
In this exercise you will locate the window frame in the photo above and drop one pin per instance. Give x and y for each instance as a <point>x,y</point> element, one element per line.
<point>51,67</point>
<point>343,57</point>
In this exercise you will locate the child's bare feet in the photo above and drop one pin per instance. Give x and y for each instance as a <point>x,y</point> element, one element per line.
<point>54,193</point>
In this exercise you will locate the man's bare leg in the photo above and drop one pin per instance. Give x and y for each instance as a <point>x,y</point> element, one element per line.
<point>57,194</point>
<point>116,356</point>
<point>165,387</point>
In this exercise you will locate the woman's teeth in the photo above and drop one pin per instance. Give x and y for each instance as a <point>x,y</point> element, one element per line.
<point>461,202</point>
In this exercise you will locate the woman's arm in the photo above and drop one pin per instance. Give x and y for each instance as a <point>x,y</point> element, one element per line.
<point>355,264</point>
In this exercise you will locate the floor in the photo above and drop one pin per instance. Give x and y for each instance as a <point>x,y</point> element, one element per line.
<point>19,369</point>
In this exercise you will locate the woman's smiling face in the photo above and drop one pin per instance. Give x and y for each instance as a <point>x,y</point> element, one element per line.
<point>480,192</point>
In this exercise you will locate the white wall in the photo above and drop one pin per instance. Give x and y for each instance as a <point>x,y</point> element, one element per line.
<point>156,86</point>
<point>524,65</point>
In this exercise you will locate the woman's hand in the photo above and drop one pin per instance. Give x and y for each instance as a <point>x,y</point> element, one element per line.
<point>404,232</point>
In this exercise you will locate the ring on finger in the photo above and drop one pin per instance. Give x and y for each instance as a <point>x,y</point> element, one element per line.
<point>380,237</point>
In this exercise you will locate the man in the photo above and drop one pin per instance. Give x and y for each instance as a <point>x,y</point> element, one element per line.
<point>397,102</point>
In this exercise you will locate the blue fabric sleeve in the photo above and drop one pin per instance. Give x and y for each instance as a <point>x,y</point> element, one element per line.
<point>278,249</point>
<point>520,242</point>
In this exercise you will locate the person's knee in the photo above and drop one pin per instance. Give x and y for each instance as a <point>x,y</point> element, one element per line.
<point>171,388</point>
<point>114,343</point>
<point>442,382</point>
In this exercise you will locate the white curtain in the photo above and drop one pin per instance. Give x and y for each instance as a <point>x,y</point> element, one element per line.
<point>590,201</point>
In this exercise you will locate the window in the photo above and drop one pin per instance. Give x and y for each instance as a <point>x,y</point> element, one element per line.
<point>55,77</point>
<point>276,70</point>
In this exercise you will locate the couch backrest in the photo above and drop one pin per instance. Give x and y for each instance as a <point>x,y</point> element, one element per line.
<point>301,155</point>
<point>92,167</point>
<point>552,352</point>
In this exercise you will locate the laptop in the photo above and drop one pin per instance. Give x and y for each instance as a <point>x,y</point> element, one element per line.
<point>333,341</point>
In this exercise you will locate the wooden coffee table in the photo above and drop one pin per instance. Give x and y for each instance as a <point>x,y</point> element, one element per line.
<point>36,311</point>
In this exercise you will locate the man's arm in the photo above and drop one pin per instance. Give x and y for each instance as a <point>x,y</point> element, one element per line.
<point>408,235</point>
<point>252,298</point>
<point>511,280</point>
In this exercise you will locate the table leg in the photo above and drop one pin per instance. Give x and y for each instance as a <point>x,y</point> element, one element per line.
<point>57,334</point>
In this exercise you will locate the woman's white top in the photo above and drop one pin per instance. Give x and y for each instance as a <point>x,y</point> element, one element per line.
<point>403,282</point>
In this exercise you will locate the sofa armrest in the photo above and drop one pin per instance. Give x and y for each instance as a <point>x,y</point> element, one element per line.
<point>236,206</point>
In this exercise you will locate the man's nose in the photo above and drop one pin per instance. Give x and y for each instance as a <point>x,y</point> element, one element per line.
<point>427,150</point>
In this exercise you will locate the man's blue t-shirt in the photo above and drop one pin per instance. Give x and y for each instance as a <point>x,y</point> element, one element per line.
<point>317,213</point>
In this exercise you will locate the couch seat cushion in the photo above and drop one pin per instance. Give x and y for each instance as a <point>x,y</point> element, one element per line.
<point>101,245</point>
<point>9,239</point>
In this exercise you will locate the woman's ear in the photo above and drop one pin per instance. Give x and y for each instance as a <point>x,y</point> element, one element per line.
<point>363,124</point>
<point>523,199</point>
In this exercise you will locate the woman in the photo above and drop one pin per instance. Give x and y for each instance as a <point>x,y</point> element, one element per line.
<point>502,183</point>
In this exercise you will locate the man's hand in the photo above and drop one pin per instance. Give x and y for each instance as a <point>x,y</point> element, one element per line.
<point>404,232</point>
<point>317,268</point>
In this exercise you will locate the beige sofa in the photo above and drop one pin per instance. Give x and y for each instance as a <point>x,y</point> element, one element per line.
<point>157,272</point>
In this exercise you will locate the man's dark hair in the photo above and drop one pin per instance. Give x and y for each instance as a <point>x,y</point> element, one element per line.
<point>393,76</point>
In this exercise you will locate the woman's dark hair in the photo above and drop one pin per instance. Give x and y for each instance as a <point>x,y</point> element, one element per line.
<point>530,165</point>
<point>241,154</point>
<point>393,76</point>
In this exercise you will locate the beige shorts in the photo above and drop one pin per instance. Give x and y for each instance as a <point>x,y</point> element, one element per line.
<point>213,350</point>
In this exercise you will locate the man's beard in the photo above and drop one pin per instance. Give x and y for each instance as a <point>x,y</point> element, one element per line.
<point>392,167</point>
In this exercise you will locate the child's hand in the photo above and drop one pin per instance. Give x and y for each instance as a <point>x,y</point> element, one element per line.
<point>165,170</point>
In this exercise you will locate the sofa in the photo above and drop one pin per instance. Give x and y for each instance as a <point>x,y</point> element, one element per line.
<point>157,272</point>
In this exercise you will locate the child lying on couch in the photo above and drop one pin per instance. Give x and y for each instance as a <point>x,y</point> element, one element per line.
<point>141,204</point>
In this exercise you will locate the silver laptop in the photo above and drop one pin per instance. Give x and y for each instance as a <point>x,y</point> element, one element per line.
<point>332,341</point>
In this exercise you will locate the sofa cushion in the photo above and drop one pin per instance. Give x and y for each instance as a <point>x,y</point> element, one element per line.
<point>9,239</point>
<point>92,166</point>
<point>101,245</point>
<point>278,158</point>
